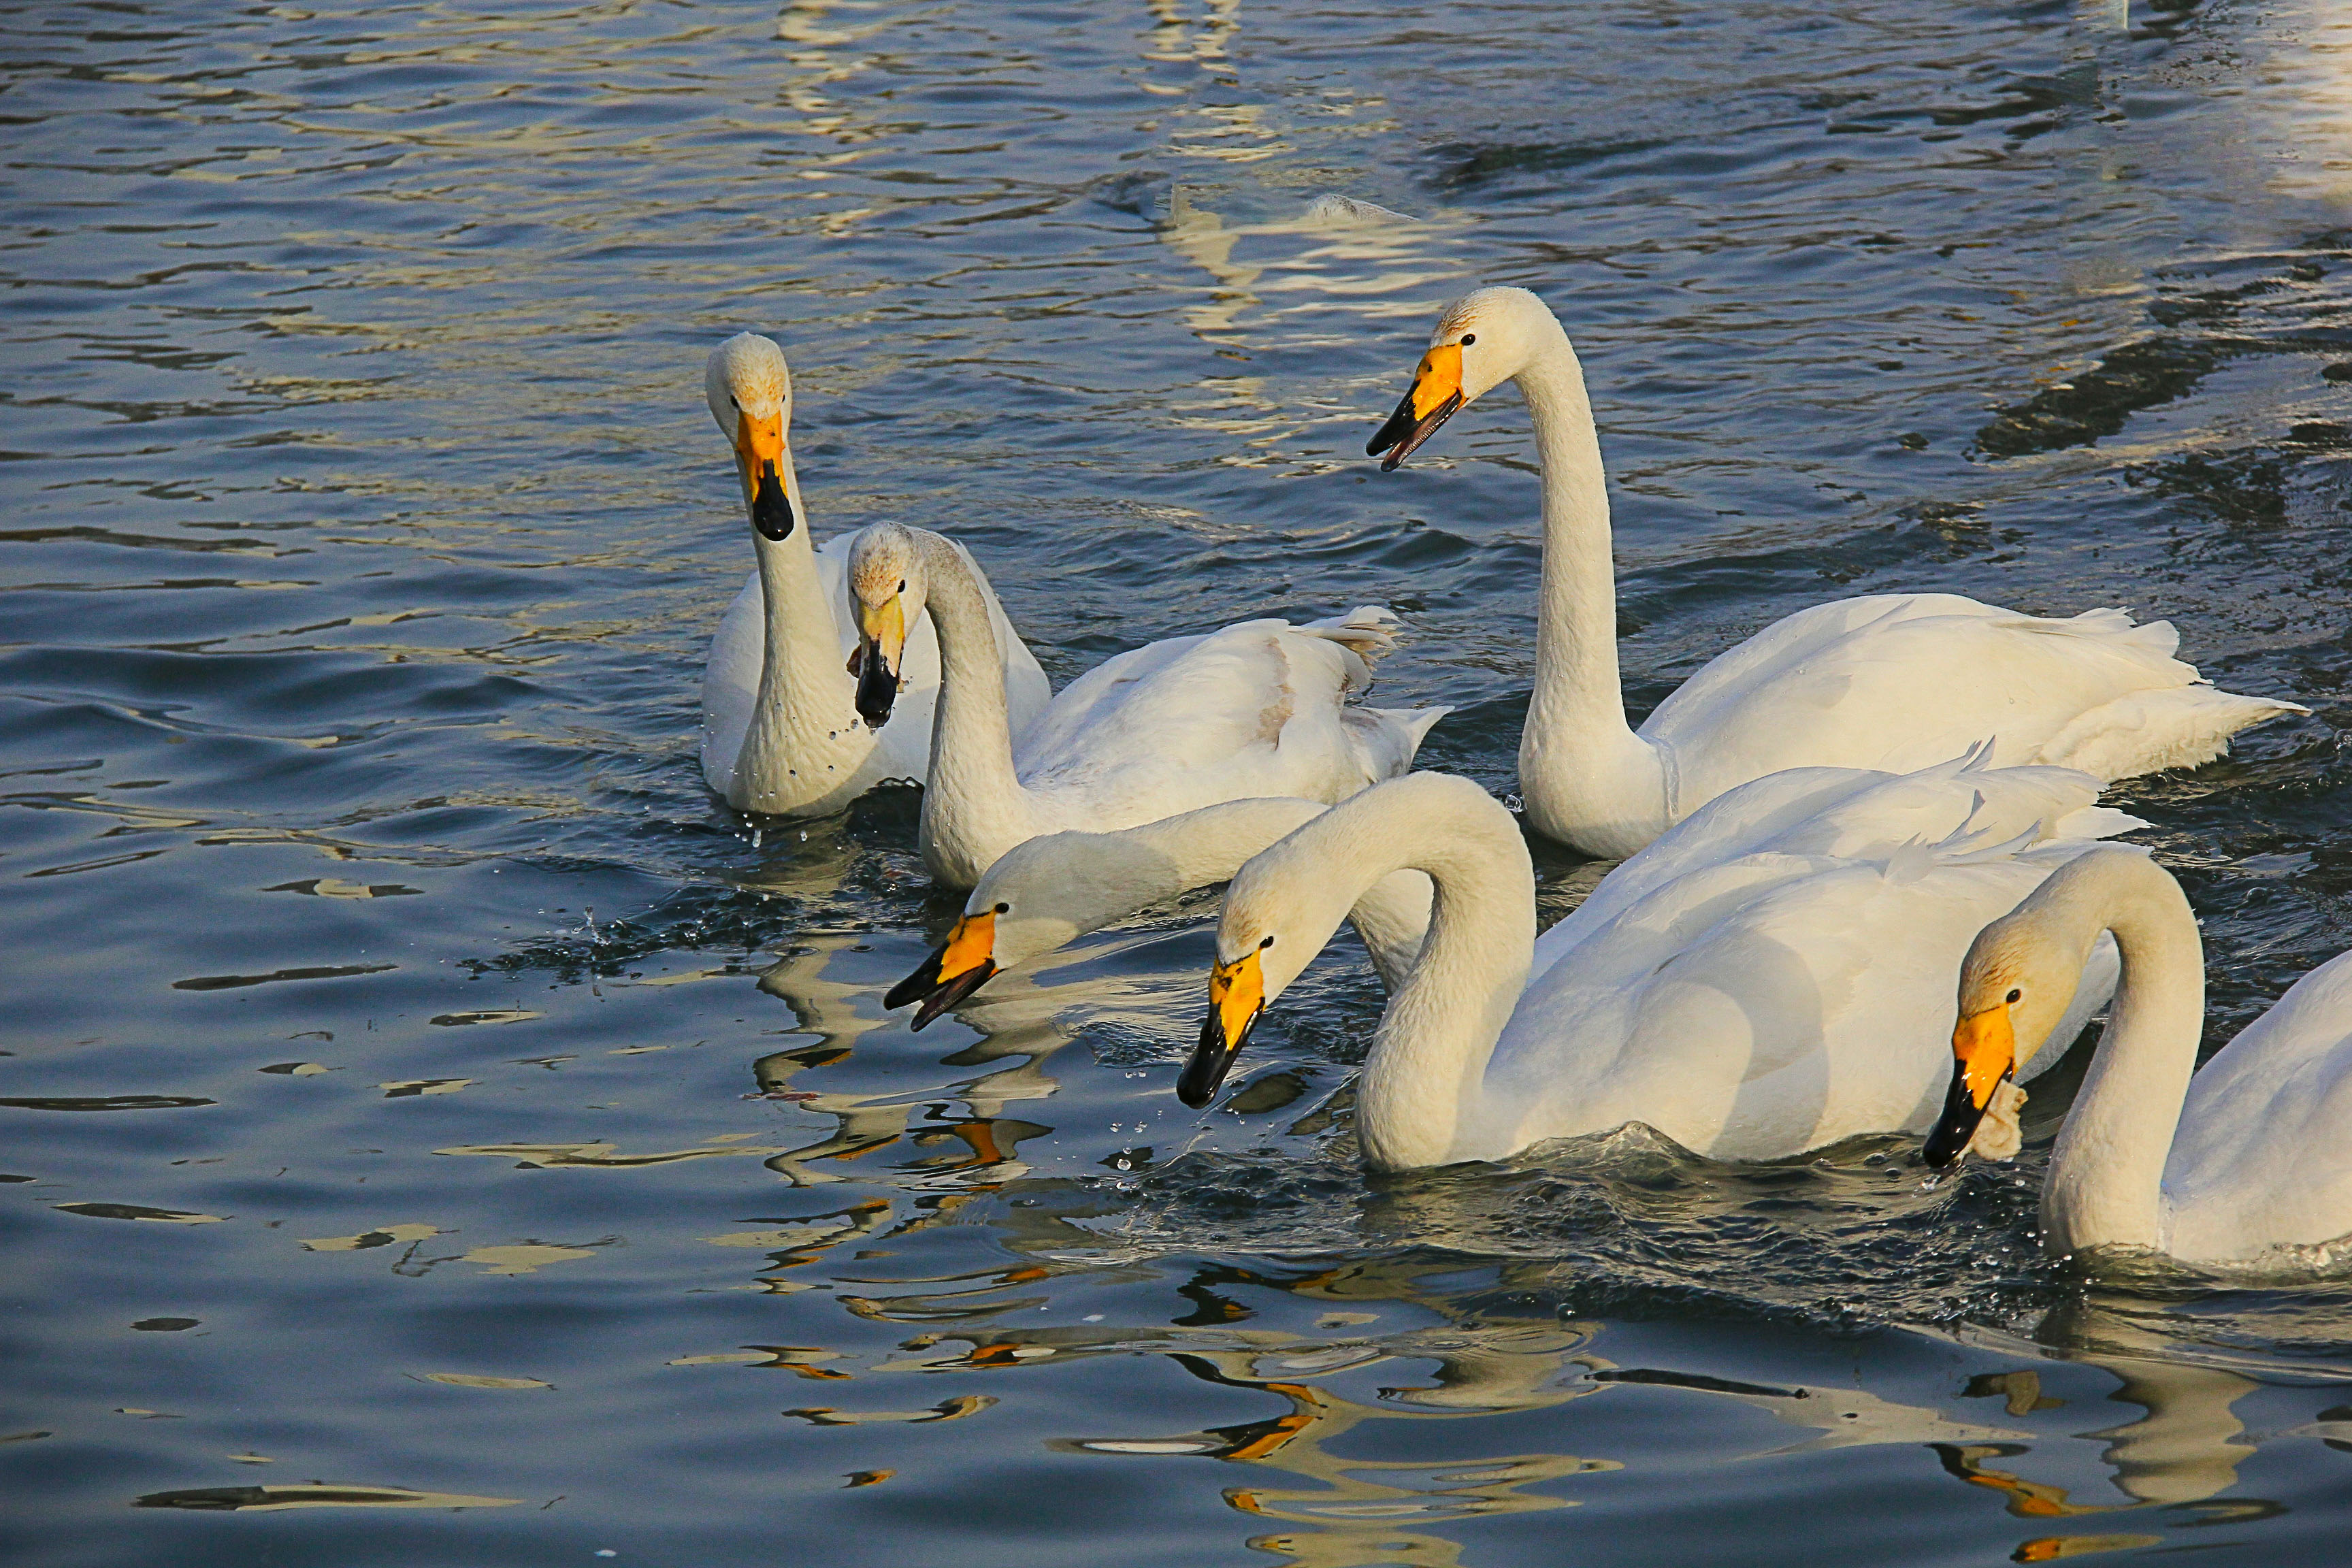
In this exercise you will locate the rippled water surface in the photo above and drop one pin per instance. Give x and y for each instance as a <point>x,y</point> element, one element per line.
<point>439,1134</point>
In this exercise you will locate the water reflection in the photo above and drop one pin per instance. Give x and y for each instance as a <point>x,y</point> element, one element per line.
<point>2182,1455</point>
<point>1357,1510</point>
<point>1844,1417</point>
<point>1335,248</point>
<point>269,1500</point>
<point>1364,1511</point>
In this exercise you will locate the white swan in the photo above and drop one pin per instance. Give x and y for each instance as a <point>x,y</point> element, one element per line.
<point>780,728</point>
<point>1895,681</point>
<point>1041,896</point>
<point>1258,708</point>
<point>1760,982</point>
<point>2249,1156</point>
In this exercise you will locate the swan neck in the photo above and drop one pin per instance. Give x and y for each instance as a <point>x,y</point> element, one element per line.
<point>2105,1187</point>
<point>1422,1092</point>
<point>974,806</point>
<point>1209,845</point>
<point>1587,777</point>
<point>803,685</point>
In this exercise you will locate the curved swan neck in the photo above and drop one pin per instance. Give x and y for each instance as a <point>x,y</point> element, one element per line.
<point>2105,1186</point>
<point>1200,848</point>
<point>1587,777</point>
<point>974,806</point>
<point>1197,849</point>
<point>802,685</point>
<point>1422,1079</point>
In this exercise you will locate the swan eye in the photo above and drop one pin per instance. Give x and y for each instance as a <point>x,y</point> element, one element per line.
<point>736,401</point>
<point>2015,997</point>
<point>1267,943</point>
<point>1469,337</point>
<point>1004,908</point>
<point>902,585</point>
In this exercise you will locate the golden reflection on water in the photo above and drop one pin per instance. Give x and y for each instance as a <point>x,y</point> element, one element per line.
<point>271,1499</point>
<point>2185,1449</point>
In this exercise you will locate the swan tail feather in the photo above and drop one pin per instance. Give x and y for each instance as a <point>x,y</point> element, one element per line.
<point>2095,822</point>
<point>1387,738</point>
<point>1367,631</point>
<point>1417,722</point>
<point>2142,732</point>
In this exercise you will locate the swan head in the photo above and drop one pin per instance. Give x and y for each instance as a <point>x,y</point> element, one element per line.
<point>1038,897</point>
<point>750,395</point>
<point>1482,340</point>
<point>886,593</point>
<point>2015,984</point>
<point>1280,910</point>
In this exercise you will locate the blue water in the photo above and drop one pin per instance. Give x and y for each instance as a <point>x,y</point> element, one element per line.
<point>389,1003</point>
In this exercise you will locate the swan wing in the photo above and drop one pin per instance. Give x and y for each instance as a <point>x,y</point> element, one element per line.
<point>1255,708</point>
<point>2263,1153</point>
<point>1849,814</point>
<point>1790,1019</point>
<point>1089,700</point>
<point>1784,998</point>
<point>1117,682</point>
<point>1901,681</point>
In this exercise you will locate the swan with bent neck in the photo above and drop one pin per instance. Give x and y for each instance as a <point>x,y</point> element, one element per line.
<point>2249,1157</point>
<point>1760,980</point>
<point>1893,681</point>
<point>1041,896</point>
<point>1259,707</point>
<point>780,733</point>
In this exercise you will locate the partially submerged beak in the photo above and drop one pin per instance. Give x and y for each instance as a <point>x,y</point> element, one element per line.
<point>1984,1055</point>
<point>882,634</point>
<point>1437,393</point>
<point>960,966</point>
<point>1236,997</point>
<point>760,447</point>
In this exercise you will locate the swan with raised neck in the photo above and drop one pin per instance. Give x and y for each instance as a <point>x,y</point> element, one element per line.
<point>1891,681</point>
<point>780,731</point>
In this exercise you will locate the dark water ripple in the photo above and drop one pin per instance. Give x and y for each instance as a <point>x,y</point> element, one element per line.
<point>439,1133</point>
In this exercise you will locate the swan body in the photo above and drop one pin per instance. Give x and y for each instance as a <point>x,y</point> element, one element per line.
<point>2251,1156</point>
<point>1041,896</point>
<point>1757,983</point>
<point>1893,682</point>
<point>1255,709</point>
<point>779,726</point>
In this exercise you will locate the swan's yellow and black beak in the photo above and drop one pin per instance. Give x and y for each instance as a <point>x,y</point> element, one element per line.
<point>1236,997</point>
<point>881,645</point>
<point>1437,393</point>
<point>759,449</point>
<point>1984,1053</point>
<point>960,966</point>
